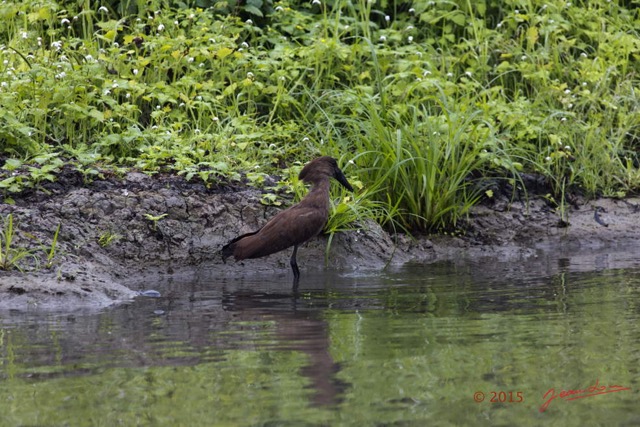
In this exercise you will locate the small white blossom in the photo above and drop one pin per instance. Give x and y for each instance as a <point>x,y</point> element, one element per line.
<point>551,21</point>
<point>88,58</point>
<point>182,104</point>
<point>387,18</point>
<point>499,25</point>
<point>547,159</point>
<point>215,119</point>
<point>316,2</point>
<point>190,59</point>
<point>468,73</point>
<point>4,84</point>
<point>412,11</point>
<point>567,148</point>
<point>25,35</point>
<point>103,9</point>
<point>523,57</point>
<point>425,73</point>
<point>249,21</point>
<point>280,8</point>
<point>160,28</point>
<point>584,83</point>
<point>383,38</point>
<point>176,23</point>
<point>135,71</point>
<point>65,21</point>
<point>192,16</point>
<point>128,95</point>
<point>564,119</point>
<point>114,86</point>
<point>570,106</point>
<point>250,75</point>
<point>244,44</point>
<point>409,28</point>
<point>199,98</point>
<point>567,91</point>
<point>583,54</point>
<point>410,39</point>
<point>449,74</point>
<point>57,45</point>
<point>107,92</point>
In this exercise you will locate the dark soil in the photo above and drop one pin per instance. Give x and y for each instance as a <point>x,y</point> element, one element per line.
<point>108,243</point>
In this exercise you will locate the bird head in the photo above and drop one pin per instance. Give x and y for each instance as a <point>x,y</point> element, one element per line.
<point>322,168</point>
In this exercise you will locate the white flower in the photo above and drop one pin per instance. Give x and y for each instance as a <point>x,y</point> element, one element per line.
<point>4,84</point>
<point>249,21</point>
<point>190,59</point>
<point>199,98</point>
<point>280,8</point>
<point>387,18</point>
<point>551,21</point>
<point>449,74</point>
<point>583,54</point>
<point>128,95</point>
<point>410,39</point>
<point>570,106</point>
<point>250,75</point>
<point>425,73</point>
<point>412,10</point>
<point>547,159</point>
<point>244,44</point>
<point>182,104</point>
<point>468,73</point>
<point>88,58</point>
<point>564,119</point>
<point>196,131</point>
<point>584,83</point>
<point>567,92</point>
<point>215,119</point>
<point>114,86</point>
<point>409,28</point>
<point>103,9</point>
<point>567,148</point>
<point>316,2</point>
<point>176,23</point>
<point>57,45</point>
<point>135,71</point>
<point>65,21</point>
<point>305,139</point>
<point>383,38</point>
<point>160,28</point>
<point>107,92</point>
<point>192,16</point>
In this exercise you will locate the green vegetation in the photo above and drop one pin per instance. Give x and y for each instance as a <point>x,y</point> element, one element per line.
<point>427,98</point>
<point>17,254</point>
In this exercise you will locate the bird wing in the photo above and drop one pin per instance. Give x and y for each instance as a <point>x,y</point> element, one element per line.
<point>293,226</point>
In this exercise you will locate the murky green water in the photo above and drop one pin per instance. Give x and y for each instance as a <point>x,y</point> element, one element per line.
<point>415,346</point>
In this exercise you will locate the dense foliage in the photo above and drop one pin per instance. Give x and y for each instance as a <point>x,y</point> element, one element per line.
<point>417,99</point>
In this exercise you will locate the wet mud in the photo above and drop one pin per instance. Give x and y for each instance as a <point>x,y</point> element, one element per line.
<point>119,232</point>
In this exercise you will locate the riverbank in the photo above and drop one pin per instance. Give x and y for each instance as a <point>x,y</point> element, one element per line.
<point>118,233</point>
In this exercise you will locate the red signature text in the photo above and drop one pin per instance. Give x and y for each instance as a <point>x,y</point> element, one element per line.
<point>593,390</point>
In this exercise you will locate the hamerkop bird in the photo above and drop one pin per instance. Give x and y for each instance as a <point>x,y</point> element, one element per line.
<point>296,225</point>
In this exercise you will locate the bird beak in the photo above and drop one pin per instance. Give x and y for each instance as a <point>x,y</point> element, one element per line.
<point>339,176</point>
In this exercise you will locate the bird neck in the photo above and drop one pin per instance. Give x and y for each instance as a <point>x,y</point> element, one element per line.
<point>319,193</point>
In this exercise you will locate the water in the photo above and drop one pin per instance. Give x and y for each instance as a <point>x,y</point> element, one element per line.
<point>412,346</point>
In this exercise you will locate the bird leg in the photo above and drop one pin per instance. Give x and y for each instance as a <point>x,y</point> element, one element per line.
<point>294,267</point>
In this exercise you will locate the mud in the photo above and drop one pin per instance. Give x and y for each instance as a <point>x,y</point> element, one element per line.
<point>118,233</point>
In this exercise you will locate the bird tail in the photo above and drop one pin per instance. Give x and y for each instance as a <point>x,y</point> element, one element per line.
<point>229,249</point>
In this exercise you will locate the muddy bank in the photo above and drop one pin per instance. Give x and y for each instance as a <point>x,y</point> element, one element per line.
<point>115,231</point>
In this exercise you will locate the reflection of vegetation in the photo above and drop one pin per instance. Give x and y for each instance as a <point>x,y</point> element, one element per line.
<point>416,359</point>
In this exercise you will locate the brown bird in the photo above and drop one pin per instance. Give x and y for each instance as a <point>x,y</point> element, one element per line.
<point>296,225</point>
